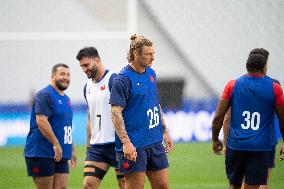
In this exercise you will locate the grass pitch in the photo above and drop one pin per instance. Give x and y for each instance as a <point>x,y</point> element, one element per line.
<point>192,166</point>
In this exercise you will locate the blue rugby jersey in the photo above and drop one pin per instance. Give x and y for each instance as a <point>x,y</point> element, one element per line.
<point>138,94</point>
<point>58,109</point>
<point>252,117</point>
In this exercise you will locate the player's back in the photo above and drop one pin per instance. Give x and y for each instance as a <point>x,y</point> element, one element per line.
<point>252,121</point>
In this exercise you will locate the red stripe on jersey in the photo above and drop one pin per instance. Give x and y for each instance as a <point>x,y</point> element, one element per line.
<point>278,92</point>
<point>228,90</point>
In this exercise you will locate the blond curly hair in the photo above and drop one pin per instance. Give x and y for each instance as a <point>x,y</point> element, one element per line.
<point>136,45</point>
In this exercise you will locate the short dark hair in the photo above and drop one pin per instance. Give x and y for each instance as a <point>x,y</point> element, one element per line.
<point>87,52</point>
<point>54,68</point>
<point>261,51</point>
<point>257,60</point>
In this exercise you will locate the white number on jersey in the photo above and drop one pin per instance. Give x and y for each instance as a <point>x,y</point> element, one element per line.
<point>67,135</point>
<point>154,117</point>
<point>100,121</point>
<point>250,120</point>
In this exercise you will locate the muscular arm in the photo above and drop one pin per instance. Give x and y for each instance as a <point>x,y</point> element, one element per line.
<point>167,139</point>
<point>88,130</point>
<point>217,123</point>
<point>73,161</point>
<point>226,125</point>
<point>118,122</point>
<point>280,113</point>
<point>46,130</point>
<point>128,149</point>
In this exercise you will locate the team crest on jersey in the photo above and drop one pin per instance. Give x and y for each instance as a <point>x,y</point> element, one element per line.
<point>35,170</point>
<point>152,79</point>
<point>103,87</point>
<point>125,165</point>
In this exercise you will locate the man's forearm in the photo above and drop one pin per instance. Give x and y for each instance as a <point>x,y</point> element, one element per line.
<point>280,113</point>
<point>118,122</point>
<point>222,108</point>
<point>226,125</point>
<point>46,130</point>
<point>163,121</point>
<point>88,130</point>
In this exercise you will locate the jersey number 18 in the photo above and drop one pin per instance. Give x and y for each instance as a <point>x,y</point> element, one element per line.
<point>67,135</point>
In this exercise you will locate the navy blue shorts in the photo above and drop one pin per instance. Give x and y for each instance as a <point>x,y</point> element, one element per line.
<point>251,165</point>
<point>102,153</point>
<point>272,159</point>
<point>42,167</point>
<point>152,158</point>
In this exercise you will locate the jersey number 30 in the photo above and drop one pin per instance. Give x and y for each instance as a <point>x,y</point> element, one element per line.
<point>67,135</point>
<point>154,117</point>
<point>252,120</point>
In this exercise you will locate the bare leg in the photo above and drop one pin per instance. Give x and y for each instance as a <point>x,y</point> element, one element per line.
<point>246,186</point>
<point>121,181</point>
<point>60,181</point>
<point>158,179</point>
<point>134,180</point>
<point>91,182</point>
<point>43,182</point>
<point>268,177</point>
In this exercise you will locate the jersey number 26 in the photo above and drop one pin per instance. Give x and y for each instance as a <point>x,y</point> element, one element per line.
<point>154,117</point>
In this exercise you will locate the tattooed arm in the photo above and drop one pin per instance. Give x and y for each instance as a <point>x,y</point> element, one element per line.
<point>128,149</point>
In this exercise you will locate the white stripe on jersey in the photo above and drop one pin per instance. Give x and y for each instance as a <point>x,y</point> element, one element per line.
<point>98,94</point>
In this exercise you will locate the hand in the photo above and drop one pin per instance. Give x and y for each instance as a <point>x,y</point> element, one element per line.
<point>57,152</point>
<point>168,142</point>
<point>224,150</point>
<point>217,147</point>
<point>129,151</point>
<point>282,152</point>
<point>73,161</point>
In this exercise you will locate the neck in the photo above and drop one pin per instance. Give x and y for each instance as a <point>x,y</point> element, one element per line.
<point>56,88</point>
<point>99,75</point>
<point>137,67</point>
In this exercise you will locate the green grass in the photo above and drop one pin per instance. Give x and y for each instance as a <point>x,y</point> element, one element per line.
<point>192,166</point>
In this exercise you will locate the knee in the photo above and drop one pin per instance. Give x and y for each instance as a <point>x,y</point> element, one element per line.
<point>121,183</point>
<point>164,186</point>
<point>88,184</point>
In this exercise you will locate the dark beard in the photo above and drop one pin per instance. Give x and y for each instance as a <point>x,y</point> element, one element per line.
<point>93,73</point>
<point>61,87</point>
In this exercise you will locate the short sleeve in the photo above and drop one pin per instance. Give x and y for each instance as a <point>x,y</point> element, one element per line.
<point>120,91</point>
<point>278,92</point>
<point>110,81</point>
<point>44,104</point>
<point>228,90</point>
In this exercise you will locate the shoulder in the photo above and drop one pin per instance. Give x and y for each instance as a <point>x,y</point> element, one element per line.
<point>112,75</point>
<point>122,78</point>
<point>151,71</point>
<point>44,93</point>
<point>276,81</point>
